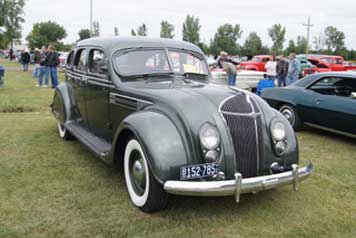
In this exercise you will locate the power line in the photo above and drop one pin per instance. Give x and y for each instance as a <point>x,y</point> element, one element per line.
<point>308,26</point>
<point>91,18</point>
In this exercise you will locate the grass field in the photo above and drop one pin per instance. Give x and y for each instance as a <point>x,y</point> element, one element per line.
<point>55,188</point>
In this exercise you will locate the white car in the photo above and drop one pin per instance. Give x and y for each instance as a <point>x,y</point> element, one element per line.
<point>246,79</point>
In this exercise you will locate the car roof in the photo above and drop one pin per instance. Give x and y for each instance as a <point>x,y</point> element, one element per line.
<point>338,74</point>
<point>117,43</point>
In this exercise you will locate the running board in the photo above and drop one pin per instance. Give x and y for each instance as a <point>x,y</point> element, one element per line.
<point>96,144</point>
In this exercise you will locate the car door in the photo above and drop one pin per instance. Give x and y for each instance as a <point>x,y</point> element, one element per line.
<point>78,76</point>
<point>97,98</point>
<point>334,106</point>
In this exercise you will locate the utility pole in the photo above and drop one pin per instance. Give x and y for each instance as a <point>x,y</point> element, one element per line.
<point>308,25</point>
<point>91,18</point>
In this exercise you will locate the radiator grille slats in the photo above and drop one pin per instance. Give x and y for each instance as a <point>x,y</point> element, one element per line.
<point>243,120</point>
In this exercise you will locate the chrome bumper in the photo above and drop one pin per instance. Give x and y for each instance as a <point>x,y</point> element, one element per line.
<point>239,185</point>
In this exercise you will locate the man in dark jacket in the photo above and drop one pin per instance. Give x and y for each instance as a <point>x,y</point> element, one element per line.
<point>282,71</point>
<point>25,59</point>
<point>53,62</point>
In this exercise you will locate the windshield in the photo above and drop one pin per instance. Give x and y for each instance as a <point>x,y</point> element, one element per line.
<point>155,61</point>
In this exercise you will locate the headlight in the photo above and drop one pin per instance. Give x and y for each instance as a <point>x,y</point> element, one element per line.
<point>278,131</point>
<point>209,137</point>
<point>280,147</point>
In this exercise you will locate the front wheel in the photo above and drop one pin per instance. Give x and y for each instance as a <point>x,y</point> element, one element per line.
<point>145,192</point>
<point>291,114</point>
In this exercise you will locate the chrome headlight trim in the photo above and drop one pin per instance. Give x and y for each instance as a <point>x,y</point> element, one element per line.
<point>278,131</point>
<point>209,137</point>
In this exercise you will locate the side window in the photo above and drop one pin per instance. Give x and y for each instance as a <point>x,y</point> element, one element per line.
<point>96,61</point>
<point>80,60</point>
<point>70,59</point>
<point>336,86</point>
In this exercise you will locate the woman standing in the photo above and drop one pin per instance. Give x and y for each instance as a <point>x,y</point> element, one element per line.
<point>271,68</point>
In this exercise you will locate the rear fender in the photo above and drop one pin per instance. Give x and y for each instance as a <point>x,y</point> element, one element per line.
<point>62,104</point>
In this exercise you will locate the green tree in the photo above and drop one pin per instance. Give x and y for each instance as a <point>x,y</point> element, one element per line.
<point>167,30</point>
<point>141,30</point>
<point>191,30</point>
<point>44,33</point>
<point>253,45</point>
<point>84,34</point>
<point>334,39</point>
<point>292,48</point>
<point>277,33</point>
<point>302,45</point>
<point>12,19</point>
<point>96,29</point>
<point>225,39</point>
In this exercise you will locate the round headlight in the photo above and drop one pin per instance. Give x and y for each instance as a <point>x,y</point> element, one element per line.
<point>209,137</point>
<point>278,131</point>
<point>211,156</point>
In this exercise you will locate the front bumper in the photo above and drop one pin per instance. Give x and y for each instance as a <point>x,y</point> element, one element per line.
<point>239,185</point>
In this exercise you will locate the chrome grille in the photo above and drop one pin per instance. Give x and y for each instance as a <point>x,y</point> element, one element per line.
<point>243,119</point>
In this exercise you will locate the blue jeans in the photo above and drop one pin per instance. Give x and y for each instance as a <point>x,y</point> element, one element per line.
<point>25,67</point>
<point>36,71</point>
<point>281,81</point>
<point>44,71</point>
<point>54,76</point>
<point>231,79</point>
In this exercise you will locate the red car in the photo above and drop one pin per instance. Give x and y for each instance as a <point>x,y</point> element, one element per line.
<point>327,63</point>
<point>256,63</point>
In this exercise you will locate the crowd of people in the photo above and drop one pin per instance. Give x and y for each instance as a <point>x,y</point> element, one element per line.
<point>285,71</point>
<point>45,62</point>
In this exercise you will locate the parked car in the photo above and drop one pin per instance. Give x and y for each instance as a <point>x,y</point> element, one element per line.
<point>326,63</point>
<point>324,100</point>
<point>257,63</point>
<point>147,104</point>
<point>317,66</point>
<point>62,59</point>
<point>304,64</point>
<point>246,79</point>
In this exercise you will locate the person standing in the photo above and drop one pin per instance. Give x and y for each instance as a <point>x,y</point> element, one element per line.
<point>271,67</point>
<point>282,71</point>
<point>53,62</point>
<point>37,61</point>
<point>25,59</point>
<point>11,54</point>
<point>229,68</point>
<point>44,70</point>
<point>293,69</point>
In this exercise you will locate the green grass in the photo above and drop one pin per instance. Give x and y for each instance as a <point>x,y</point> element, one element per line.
<point>7,63</point>
<point>55,188</point>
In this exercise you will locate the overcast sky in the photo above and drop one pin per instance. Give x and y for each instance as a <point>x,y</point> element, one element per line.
<point>252,15</point>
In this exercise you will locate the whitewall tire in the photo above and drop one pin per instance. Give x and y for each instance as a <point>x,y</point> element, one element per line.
<point>63,132</point>
<point>144,191</point>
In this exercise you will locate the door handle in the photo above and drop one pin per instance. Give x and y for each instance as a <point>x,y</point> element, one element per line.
<point>318,100</point>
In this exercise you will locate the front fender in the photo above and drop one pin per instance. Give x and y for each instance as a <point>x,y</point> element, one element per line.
<point>62,104</point>
<point>162,142</point>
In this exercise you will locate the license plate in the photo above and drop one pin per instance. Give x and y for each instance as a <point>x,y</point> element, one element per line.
<point>199,171</point>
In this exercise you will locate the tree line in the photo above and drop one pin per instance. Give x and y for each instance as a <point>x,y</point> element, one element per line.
<point>226,38</point>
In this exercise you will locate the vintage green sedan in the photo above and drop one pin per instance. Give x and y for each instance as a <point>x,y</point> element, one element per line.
<point>325,100</point>
<point>147,105</point>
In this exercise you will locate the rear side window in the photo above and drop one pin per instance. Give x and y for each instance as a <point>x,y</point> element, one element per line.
<point>80,60</point>
<point>96,61</point>
<point>70,59</point>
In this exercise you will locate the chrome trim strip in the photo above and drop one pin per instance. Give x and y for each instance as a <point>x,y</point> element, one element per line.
<point>239,185</point>
<point>331,130</point>
<point>130,98</point>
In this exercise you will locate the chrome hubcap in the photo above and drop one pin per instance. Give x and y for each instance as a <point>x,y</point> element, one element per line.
<point>289,115</point>
<point>138,172</point>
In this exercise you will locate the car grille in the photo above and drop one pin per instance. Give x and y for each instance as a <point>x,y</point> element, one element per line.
<point>243,119</point>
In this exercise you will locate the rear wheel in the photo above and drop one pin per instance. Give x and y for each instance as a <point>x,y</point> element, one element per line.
<point>145,192</point>
<point>291,114</point>
<point>64,133</point>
